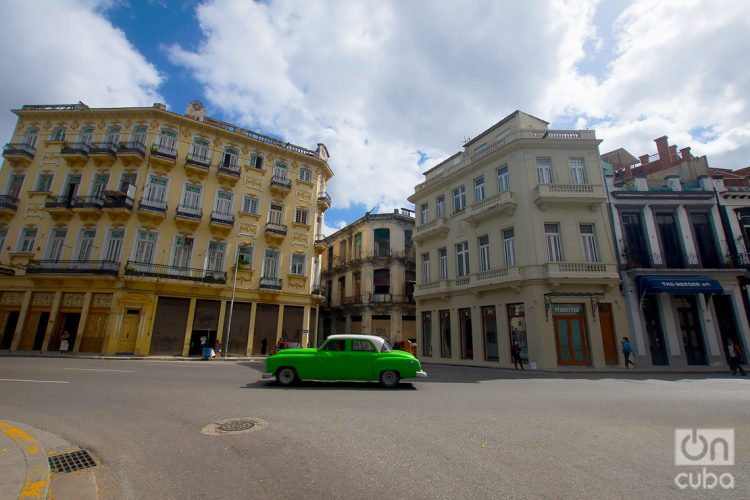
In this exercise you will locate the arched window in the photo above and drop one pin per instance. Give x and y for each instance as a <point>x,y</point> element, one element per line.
<point>138,137</point>
<point>58,134</point>
<point>113,135</point>
<point>86,136</point>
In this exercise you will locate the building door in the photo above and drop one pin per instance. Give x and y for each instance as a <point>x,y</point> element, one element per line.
<point>129,331</point>
<point>692,335</point>
<point>725,319</point>
<point>656,344</point>
<point>570,332</point>
<point>8,321</point>
<point>609,342</point>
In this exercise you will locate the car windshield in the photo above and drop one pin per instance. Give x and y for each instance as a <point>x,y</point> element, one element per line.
<point>386,346</point>
<point>290,345</point>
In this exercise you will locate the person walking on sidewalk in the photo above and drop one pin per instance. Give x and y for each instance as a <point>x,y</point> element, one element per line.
<point>627,350</point>
<point>734,355</point>
<point>515,353</point>
<point>64,342</point>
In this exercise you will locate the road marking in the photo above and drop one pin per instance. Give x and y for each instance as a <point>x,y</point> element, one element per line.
<point>39,381</point>
<point>100,370</point>
<point>37,469</point>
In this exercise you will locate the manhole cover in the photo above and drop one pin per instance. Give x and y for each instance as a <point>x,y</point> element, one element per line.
<point>236,426</point>
<point>233,426</point>
<point>71,461</point>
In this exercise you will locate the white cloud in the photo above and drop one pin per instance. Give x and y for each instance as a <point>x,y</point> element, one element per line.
<point>378,82</point>
<point>63,51</point>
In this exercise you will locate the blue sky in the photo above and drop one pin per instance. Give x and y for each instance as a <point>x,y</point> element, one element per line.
<point>394,87</point>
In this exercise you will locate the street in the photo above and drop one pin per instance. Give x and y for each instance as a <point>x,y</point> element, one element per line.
<point>460,433</point>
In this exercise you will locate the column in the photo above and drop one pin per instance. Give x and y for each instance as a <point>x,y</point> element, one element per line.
<point>84,320</point>
<point>25,303</point>
<point>633,312</point>
<point>477,333</point>
<point>52,319</point>
<point>717,225</point>
<point>305,337</point>
<point>222,315</point>
<point>736,235</point>
<point>670,327</point>
<point>348,323</point>
<point>620,242</point>
<point>742,320</point>
<point>652,236</point>
<point>708,320</point>
<point>279,325</point>
<point>396,333</point>
<point>189,327</point>
<point>687,235</point>
<point>251,329</point>
<point>367,322</point>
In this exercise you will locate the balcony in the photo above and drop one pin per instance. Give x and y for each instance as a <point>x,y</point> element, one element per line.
<point>500,204</point>
<point>19,155</point>
<point>6,270</point>
<point>117,205</point>
<point>98,267</point>
<point>579,270</point>
<point>270,284</point>
<point>546,195</point>
<point>148,270</point>
<point>324,201</point>
<point>104,154</point>
<point>75,154</point>
<point>320,244</point>
<point>280,183</point>
<point>88,208</point>
<point>221,223</point>
<point>197,164</point>
<point>436,228</point>
<point>163,156</point>
<point>188,218</point>
<point>275,233</point>
<point>8,207</point>
<point>229,172</point>
<point>132,153</point>
<point>152,212</point>
<point>60,208</point>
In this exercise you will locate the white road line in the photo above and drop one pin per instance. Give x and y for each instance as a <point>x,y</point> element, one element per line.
<point>39,381</point>
<point>100,370</point>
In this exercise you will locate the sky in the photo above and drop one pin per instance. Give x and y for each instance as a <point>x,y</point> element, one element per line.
<point>393,87</point>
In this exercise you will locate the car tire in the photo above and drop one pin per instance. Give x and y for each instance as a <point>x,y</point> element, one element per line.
<point>389,378</point>
<point>286,376</point>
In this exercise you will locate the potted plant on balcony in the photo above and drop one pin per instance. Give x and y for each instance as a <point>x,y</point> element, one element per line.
<point>154,148</point>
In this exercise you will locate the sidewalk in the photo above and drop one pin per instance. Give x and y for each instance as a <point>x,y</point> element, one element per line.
<point>25,470</point>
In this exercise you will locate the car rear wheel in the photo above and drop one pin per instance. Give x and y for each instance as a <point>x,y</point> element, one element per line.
<point>286,376</point>
<point>389,378</point>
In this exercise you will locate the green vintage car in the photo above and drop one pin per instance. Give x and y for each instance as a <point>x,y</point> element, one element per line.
<point>344,357</point>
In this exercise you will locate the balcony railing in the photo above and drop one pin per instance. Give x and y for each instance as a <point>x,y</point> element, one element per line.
<point>281,178</point>
<point>200,160</point>
<point>276,228</point>
<point>166,150</point>
<point>133,147</point>
<point>73,267</point>
<point>58,202</point>
<point>19,149</point>
<point>230,168</point>
<point>145,269</point>
<point>270,283</point>
<point>222,218</point>
<point>103,148</point>
<point>117,199</point>
<point>189,212</point>
<point>9,202</point>
<point>153,205</point>
<point>324,197</point>
<point>76,148</point>
<point>87,202</point>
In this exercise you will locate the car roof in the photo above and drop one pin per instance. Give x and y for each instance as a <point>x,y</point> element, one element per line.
<point>378,341</point>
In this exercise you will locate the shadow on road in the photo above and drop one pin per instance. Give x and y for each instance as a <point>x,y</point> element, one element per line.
<point>309,385</point>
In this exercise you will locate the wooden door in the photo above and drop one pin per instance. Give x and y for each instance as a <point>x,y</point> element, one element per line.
<point>609,342</point>
<point>93,336</point>
<point>572,347</point>
<point>129,331</point>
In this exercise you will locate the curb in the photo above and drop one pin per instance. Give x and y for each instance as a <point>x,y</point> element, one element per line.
<point>37,480</point>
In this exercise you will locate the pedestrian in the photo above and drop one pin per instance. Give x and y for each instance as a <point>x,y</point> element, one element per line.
<point>263,345</point>
<point>64,342</point>
<point>734,355</point>
<point>217,348</point>
<point>627,350</point>
<point>204,339</point>
<point>515,353</point>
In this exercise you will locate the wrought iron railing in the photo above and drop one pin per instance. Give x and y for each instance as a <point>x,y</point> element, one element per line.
<point>117,199</point>
<point>7,201</point>
<point>324,197</point>
<point>103,148</point>
<point>270,283</point>
<point>276,228</point>
<point>58,202</point>
<point>19,149</point>
<point>73,267</point>
<point>199,160</point>
<point>189,212</point>
<point>87,202</point>
<point>222,218</point>
<point>146,269</point>
<point>152,205</point>
<point>75,148</point>
<point>230,168</point>
<point>133,147</point>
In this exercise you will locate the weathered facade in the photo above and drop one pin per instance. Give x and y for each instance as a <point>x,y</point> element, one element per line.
<point>139,231</point>
<point>368,273</point>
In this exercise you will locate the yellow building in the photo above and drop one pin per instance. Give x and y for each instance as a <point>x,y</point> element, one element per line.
<point>140,231</point>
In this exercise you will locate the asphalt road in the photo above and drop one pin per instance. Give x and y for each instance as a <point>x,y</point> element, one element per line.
<point>461,433</point>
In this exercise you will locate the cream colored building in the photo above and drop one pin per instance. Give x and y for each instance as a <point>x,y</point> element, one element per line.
<point>513,243</point>
<point>368,273</point>
<point>140,231</point>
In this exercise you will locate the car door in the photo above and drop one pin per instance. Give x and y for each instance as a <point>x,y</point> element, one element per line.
<point>331,361</point>
<point>361,360</point>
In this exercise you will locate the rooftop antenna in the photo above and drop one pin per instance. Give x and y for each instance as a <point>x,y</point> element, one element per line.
<point>370,211</point>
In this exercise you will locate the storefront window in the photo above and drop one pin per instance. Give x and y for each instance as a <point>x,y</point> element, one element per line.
<point>489,327</point>
<point>467,340</point>
<point>517,329</point>
<point>426,334</point>
<point>445,334</point>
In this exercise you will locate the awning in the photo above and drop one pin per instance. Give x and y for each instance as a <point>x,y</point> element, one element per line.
<point>677,285</point>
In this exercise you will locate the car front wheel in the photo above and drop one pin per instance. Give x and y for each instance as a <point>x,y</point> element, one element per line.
<point>389,378</point>
<point>286,376</point>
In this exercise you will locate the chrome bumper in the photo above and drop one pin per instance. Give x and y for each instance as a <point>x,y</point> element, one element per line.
<point>267,375</point>
<point>422,374</point>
